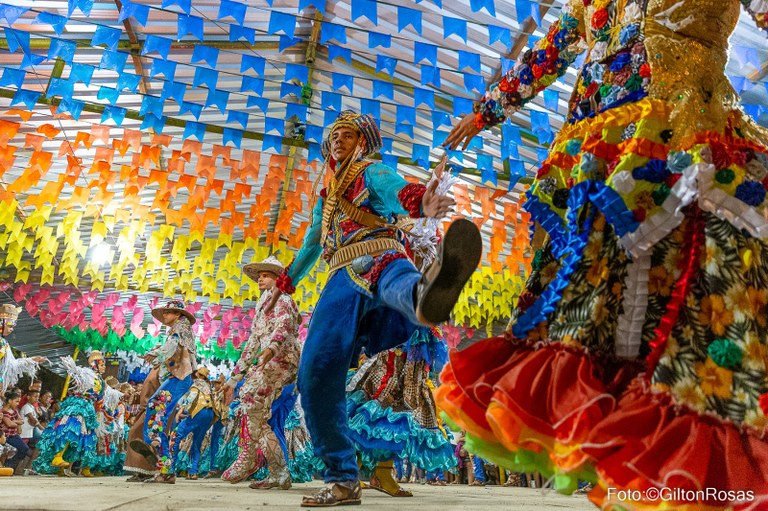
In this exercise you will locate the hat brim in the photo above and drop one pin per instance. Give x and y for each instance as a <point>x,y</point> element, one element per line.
<point>252,270</point>
<point>158,314</point>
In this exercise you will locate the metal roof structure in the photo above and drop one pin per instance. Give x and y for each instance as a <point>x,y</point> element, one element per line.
<point>188,78</point>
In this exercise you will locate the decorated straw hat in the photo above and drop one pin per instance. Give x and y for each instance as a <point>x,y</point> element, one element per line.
<point>95,355</point>
<point>202,372</point>
<point>9,311</point>
<point>112,382</point>
<point>270,264</point>
<point>364,124</point>
<point>173,306</point>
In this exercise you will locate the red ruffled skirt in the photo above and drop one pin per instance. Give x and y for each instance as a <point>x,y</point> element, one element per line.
<point>563,412</point>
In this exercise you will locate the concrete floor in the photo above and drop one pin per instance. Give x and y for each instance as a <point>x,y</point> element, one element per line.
<point>113,493</point>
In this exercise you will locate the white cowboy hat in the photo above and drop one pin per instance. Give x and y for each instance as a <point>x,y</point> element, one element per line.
<point>270,264</point>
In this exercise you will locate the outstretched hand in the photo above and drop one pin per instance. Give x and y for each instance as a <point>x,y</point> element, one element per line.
<point>432,204</point>
<point>464,132</point>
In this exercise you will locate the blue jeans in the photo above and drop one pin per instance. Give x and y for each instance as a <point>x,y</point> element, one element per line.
<point>196,426</point>
<point>344,322</point>
<point>216,431</point>
<point>22,450</point>
<point>175,389</point>
<point>478,467</point>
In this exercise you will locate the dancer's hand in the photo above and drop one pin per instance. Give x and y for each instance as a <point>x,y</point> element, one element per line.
<point>265,357</point>
<point>464,132</point>
<point>434,205</point>
<point>40,360</point>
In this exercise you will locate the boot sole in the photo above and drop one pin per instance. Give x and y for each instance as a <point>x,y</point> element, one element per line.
<point>459,255</point>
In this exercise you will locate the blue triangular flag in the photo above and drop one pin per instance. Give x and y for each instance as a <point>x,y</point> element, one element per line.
<point>385,89</point>
<point>81,73</point>
<point>405,114</point>
<point>476,5</point>
<point>462,106</point>
<point>440,118</point>
<point>206,54</point>
<point>194,129</point>
<point>375,40</point>
<point>260,103</point>
<point>371,107</point>
<point>281,21</point>
<point>107,36</point>
<point>296,110</point>
<point>151,105</point>
<point>386,145</point>
<point>174,90</point>
<point>313,133</point>
<point>423,51</point>
<point>27,97</point>
<point>17,39</point>
<point>153,122</point>
<point>56,87</point>
<point>516,171</point>
<point>232,135</point>
<point>438,137</point>
<point>341,80</point>
<point>115,113</point>
<point>236,32</point>
<point>286,42</point>
<point>71,106</point>
<point>365,8</point>
<point>286,89</point>
<point>407,16</point>
<point>430,75</point>
<point>192,25</point>
<point>252,62</point>
<point>468,59</point>
<point>30,59</point>
<point>14,77</point>
<point>272,124</point>
<point>217,98</point>
<point>499,34</point>
<point>54,20</point>
<point>329,117</point>
<point>84,5</point>
<point>420,155</point>
<point>296,72</point>
<point>234,9</point>
<point>165,67</point>
<point>390,160</point>
<point>330,101</point>
<point>542,153</point>
<point>251,83</point>
<point>332,31</point>
<point>161,45</point>
<point>551,100</point>
<point>314,152</point>
<point>204,76</point>
<point>272,142</point>
<point>185,5</point>
<point>192,108</point>
<point>239,117</point>
<point>128,81</point>
<point>474,82</point>
<point>540,125</point>
<point>139,12</point>
<point>456,26</point>
<point>404,128</point>
<point>339,52</point>
<point>319,5</point>
<point>423,96</point>
<point>387,64</point>
<point>114,60</point>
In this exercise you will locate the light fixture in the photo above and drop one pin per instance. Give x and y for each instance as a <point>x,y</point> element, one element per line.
<point>101,254</point>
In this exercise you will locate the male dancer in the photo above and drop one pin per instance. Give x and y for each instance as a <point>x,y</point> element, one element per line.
<point>178,359</point>
<point>270,361</point>
<point>375,296</point>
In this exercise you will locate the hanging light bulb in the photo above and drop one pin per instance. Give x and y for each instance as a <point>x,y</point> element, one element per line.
<point>101,254</point>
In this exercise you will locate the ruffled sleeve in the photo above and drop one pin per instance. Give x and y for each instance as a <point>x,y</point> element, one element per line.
<point>12,368</point>
<point>537,69</point>
<point>309,253</point>
<point>391,194</point>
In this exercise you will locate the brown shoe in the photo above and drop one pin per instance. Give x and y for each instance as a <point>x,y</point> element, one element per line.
<point>192,477</point>
<point>213,474</point>
<point>145,450</point>
<point>162,479</point>
<point>335,494</point>
<point>442,283</point>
